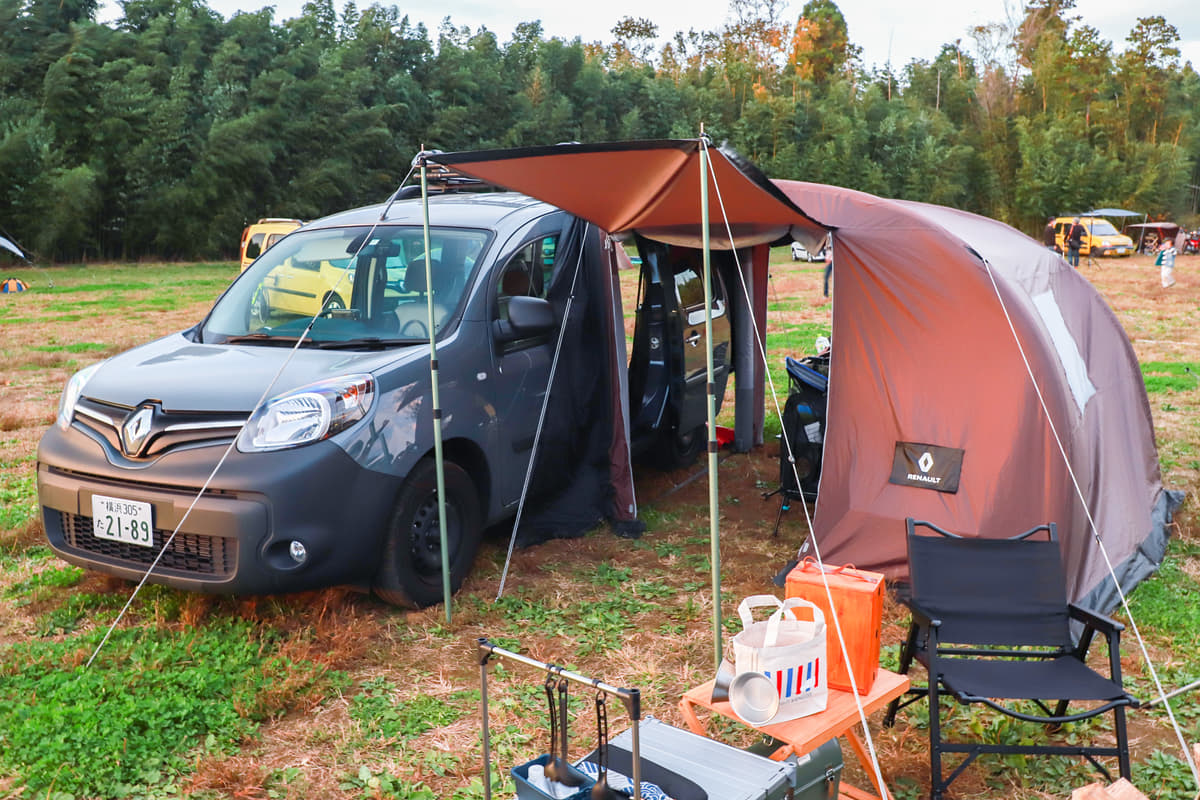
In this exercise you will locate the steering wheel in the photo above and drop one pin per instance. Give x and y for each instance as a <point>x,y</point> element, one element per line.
<point>423,333</point>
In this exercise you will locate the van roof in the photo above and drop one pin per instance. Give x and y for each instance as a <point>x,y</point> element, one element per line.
<point>465,209</point>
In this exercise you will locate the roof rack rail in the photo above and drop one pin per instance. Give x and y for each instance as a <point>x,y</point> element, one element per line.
<point>442,179</point>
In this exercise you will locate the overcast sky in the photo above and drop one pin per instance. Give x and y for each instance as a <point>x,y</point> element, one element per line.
<point>887,31</point>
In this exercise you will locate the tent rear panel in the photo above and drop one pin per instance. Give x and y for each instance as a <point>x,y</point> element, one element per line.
<point>930,304</point>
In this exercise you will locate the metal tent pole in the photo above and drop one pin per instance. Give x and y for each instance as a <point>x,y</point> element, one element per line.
<point>713,509</point>
<point>438,457</point>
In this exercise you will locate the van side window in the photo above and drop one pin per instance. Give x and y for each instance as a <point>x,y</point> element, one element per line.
<point>689,290</point>
<point>528,272</point>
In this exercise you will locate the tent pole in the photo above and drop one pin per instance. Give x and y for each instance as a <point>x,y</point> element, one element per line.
<point>438,457</point>
<point>713,510</point>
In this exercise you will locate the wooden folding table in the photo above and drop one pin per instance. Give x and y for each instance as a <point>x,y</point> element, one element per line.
<point>800,736</point>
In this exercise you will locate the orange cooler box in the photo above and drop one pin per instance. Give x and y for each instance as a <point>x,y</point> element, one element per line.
<point>858,596</point>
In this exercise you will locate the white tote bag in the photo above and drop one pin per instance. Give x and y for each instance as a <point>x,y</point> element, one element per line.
<point>789,651</point>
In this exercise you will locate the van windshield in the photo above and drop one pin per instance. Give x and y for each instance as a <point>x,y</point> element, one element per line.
<point>359,284</point>
<point>1102,227</point>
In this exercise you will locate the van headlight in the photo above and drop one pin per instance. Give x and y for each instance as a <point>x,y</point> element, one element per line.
<point>71,394</point>
<point>308,414</point>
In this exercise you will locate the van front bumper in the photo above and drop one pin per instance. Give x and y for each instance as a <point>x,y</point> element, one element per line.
<point>238,536</point>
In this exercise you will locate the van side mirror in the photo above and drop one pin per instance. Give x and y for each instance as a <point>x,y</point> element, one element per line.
<point>527,317</point>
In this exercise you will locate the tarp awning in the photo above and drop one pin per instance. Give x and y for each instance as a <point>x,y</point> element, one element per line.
<point>1166,226</point>
<point>650,186</point>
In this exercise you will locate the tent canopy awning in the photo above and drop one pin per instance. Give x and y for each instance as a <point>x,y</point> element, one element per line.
<point>1114,212</point>
<point>650,186</point>
<point>1165,226</point>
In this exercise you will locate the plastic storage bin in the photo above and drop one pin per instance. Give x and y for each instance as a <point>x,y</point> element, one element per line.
<point>527,791</point>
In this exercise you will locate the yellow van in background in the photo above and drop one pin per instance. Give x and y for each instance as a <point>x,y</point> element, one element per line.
<point>258,237</point>
<point>1100,238</point>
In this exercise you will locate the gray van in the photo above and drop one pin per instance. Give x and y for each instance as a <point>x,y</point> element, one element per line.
<point>330,478</point>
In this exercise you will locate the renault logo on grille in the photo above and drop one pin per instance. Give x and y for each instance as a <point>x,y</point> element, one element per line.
<point>135,429</point>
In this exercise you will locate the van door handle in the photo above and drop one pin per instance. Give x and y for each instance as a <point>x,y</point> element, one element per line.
<point>694,339</point>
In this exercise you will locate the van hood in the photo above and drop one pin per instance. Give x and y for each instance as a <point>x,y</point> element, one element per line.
<point>183,375</point>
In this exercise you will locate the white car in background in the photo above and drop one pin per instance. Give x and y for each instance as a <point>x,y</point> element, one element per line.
<point>800,252</point>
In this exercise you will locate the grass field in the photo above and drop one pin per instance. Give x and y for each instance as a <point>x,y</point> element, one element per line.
<point>333,695</point>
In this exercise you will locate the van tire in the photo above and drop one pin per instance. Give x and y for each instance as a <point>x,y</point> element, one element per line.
<point>680,449</point>
<point>410,574</point>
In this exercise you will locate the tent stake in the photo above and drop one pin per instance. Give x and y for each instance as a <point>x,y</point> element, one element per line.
<point>438,457</point>
<point>714,512</point>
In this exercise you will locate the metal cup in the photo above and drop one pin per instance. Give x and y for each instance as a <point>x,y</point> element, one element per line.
<point>753,697</point>
<point>721,684</point>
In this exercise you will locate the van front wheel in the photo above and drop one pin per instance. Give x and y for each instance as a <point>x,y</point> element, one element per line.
<point>410,574</point>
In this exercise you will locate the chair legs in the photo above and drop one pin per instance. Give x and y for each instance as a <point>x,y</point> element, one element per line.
<point>938,784</point>
<point>935,740</point>
<point>1122,743</point>
<point>906,657</point>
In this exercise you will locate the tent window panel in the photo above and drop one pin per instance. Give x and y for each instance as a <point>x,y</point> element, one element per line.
<point>1066,347</point>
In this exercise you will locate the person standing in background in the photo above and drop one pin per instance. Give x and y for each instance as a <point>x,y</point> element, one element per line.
<point>1166,263</point>
<point>1074,241</point>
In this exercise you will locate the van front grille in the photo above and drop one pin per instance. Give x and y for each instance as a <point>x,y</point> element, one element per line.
<point>192,553</point>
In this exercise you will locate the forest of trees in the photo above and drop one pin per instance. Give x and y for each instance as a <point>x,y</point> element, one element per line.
<point>162,133</point>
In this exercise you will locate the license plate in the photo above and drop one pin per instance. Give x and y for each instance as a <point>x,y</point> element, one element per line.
<point>1120,251</point>
<point>122,520</point>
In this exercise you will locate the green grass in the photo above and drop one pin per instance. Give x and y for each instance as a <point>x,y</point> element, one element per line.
<point>18,500</point>
<point>380,716</point>
<point>132,723</point>
<point>1163,376</point>
<point>72,347</point>
<point>1170,601</point>
<point>595,626</point>
<point>57,578</point>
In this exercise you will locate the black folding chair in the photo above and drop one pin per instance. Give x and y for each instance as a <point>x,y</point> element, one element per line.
<point>991,621</point>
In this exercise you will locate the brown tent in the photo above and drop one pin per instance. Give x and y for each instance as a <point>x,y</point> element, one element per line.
<point>964,353</point>
<point>965,339</point>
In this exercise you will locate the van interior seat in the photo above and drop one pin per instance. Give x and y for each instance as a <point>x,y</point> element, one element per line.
<point>413,315</point>
<point>515,282</point>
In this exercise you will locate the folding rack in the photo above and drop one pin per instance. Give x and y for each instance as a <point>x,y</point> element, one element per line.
<point>630,698</point>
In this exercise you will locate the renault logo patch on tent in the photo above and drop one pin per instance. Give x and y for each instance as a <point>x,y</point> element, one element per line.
<point>927,466</point>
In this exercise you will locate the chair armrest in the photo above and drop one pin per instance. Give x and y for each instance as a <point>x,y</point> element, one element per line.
<point>922,616</point>
<point>1101,623</point>
<point>1092,623</point>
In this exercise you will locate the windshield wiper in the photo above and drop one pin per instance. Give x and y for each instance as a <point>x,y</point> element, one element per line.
<point>366,342</point>
<point>266,338</point>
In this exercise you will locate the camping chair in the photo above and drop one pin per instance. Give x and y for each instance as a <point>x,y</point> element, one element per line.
<point>990,621</point>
